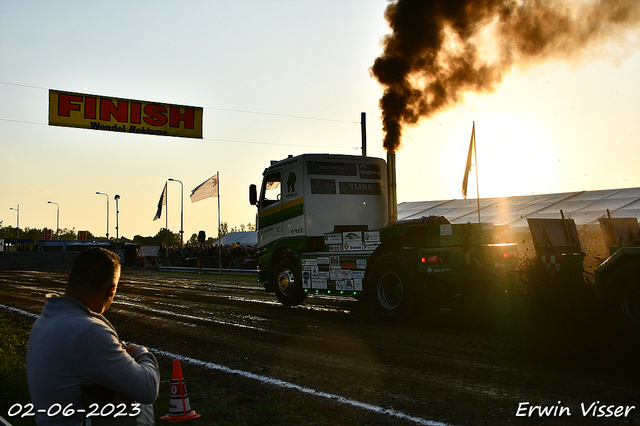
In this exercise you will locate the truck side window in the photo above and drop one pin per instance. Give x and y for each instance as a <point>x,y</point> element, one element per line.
<point>270,193</point>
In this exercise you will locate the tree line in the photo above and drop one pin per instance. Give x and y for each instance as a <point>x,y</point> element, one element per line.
<point>160,239</point>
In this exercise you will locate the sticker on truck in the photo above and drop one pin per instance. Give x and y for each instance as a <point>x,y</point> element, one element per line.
<point>333,273</point>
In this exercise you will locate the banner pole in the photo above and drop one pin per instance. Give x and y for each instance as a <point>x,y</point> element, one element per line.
<point>219,236</point>
<point>166,222</point>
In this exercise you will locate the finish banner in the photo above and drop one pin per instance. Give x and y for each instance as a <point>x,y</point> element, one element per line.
<point>123,115</point>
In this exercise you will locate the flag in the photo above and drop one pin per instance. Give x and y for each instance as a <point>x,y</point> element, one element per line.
<point>163,201</point>
<point>471,161</point>
<point>207,189</point>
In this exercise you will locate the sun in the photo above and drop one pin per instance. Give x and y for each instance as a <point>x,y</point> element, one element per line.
<point>515,157</point>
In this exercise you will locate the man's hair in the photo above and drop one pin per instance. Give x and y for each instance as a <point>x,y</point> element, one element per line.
<point>93,270</point>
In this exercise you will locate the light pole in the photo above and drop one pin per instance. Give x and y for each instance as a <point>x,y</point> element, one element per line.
<point>117,197</point>
<point>17,224</point>
<point>57,218</point>
<point>102,193</point>
<point>181,210</point>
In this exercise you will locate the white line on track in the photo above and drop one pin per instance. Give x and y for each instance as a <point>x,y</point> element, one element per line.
<point>276,382</point>
<point>19,311</point>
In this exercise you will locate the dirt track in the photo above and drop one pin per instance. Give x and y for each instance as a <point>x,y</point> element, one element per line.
<point>443,368</point>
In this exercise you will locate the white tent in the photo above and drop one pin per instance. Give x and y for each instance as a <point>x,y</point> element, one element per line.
<point>248,238</point>
<point>584,207</point>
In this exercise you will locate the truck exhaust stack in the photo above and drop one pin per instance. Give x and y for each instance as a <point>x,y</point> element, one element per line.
<point>392,199</point>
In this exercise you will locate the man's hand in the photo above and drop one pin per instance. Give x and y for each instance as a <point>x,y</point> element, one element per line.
<point>130,347</point>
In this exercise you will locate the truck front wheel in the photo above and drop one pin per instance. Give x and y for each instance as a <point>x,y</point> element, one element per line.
<point>391,286</point>
<point>288,284</point>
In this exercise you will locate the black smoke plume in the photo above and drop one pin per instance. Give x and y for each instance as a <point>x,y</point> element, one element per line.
<point>440,49</point>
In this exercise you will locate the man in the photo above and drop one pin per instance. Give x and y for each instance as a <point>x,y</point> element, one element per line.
<point>73,350</point>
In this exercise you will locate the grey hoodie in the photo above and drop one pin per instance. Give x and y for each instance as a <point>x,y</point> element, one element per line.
<point>71,346</point>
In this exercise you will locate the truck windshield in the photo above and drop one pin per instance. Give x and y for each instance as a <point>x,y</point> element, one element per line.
<point>270,189</point>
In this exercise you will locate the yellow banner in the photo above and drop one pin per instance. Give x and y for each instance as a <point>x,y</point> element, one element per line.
<point>123,115</point>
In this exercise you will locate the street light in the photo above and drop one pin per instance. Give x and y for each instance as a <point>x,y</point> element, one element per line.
<point>181,210</point>
<point>17,224</point>
<point>57,218</point>
<point>102,193</point>
<point>117,197</point>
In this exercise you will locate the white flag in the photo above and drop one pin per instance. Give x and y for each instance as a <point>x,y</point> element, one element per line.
<point>207,189</point>
<point>163,201</point>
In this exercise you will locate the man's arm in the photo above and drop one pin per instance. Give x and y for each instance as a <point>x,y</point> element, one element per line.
<point>132,372</point>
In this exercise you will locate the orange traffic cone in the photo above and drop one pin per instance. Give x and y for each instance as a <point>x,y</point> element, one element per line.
<point>179,407</point>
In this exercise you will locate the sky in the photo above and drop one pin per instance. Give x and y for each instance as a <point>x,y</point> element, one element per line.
<point>276,79</point>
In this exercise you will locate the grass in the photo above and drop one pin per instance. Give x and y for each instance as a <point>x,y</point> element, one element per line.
<point>13,374</point>
<point>220,398</point>
<point>537,313</point>
<point>230,400</point>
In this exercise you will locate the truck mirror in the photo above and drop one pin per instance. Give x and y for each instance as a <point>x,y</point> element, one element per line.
<point>253,195</point>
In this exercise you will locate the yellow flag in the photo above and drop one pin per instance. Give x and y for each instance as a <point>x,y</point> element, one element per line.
<point>471,160</point>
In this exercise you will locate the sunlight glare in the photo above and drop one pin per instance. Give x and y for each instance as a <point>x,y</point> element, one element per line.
<point>515,157</point>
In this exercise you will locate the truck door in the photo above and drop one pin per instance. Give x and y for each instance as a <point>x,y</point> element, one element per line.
<point>293,201</point>
<point>270,208</point>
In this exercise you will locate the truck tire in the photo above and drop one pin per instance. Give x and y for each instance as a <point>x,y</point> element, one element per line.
<point>624,286</point>
<point>630,301</point>
<point>391,286</point>
<point>287,283</point>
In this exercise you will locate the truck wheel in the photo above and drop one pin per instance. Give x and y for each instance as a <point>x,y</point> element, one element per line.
<point>625,287</point>
<point>630,302</point>
<point>391,286</point>
<point>287,283</point>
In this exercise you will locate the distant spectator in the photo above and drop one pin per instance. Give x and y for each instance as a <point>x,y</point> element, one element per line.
<point>233,257</point>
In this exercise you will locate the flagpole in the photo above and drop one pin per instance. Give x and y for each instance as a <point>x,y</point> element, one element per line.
<point>166,222</point>
<point>219,236</point>
<point>475,154</point>
<point>208,189</point>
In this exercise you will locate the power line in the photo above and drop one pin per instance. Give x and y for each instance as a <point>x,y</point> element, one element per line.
<point>23,85</point>
<point>280,144</point>
<point>22,121</point>
<point>224,109</point>
<point>215,140</point>
<point>218,109</point>
<point>283,115</point>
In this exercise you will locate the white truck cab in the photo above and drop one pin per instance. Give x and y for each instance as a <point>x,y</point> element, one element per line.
<point>311,194</point>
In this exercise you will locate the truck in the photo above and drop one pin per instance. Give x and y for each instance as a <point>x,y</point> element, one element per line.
<point>327,224</point>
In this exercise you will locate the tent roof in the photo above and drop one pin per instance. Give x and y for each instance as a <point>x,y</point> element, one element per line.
<point>584,207</point>
<point>247,238</point>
